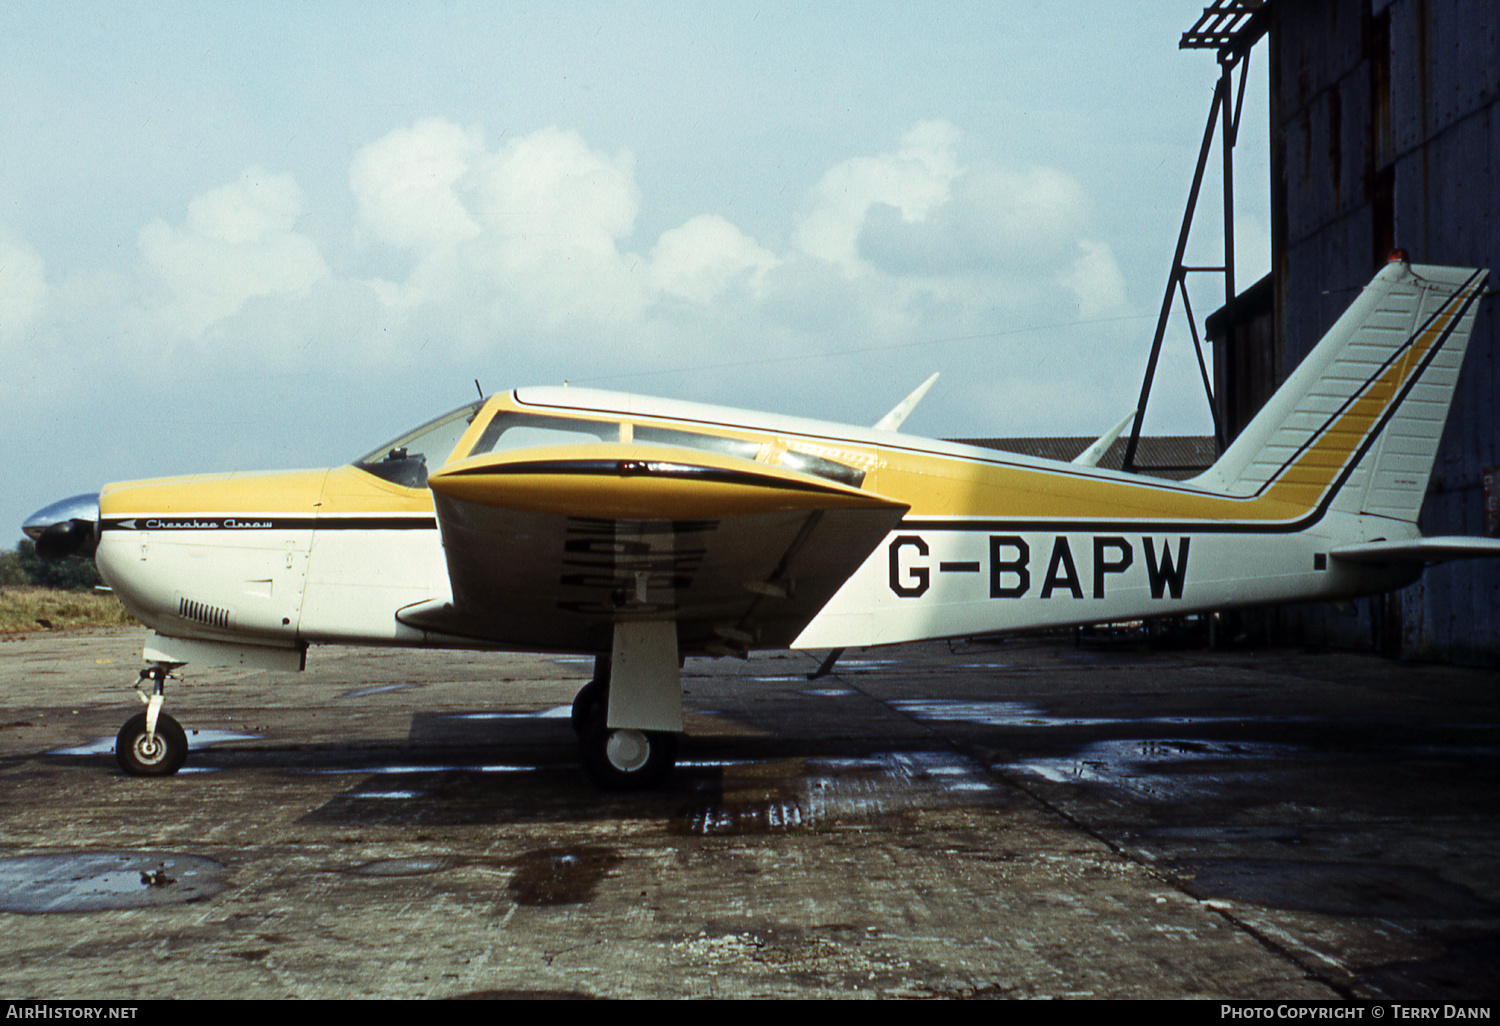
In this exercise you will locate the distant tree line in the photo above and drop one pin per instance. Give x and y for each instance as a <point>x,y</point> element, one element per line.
<point>24,566</point>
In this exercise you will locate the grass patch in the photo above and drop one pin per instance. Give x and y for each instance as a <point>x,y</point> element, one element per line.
<point>28,608</point>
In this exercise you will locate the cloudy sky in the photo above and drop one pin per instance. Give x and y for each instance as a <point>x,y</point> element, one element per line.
<point>252,236</point>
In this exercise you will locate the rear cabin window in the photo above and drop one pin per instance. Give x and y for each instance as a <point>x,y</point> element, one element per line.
<point>749,450</point>
<point>745,450</point>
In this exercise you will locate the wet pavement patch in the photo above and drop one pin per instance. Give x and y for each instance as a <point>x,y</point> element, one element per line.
<point>197,739</point>
<point>792,795</point>
<point>407,795</point>
<point>1468,971</point>
<point>489,728</point>
<point>1333,888</point>
<point>420,865</point>
<point>522,995</point>
<point>95,880</point>
<point>1165,769</point>
<point>835,954</point>
<point>1227,835</point>
<point>560,876</point>
<point>366,692</point>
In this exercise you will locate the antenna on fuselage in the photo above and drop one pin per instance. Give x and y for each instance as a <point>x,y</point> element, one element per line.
<point>481,391</point>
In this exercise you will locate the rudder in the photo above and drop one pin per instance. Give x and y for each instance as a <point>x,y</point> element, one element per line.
<point>1355,428</point>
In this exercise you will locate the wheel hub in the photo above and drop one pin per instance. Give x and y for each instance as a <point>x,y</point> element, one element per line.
<point>627,750</point>
<point>149,749</point>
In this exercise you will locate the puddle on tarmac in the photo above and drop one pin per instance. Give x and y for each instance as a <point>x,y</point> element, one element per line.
<point>560,876</point>
<point>561,712</point>
<point>1022,714</point>
<point>404,770</point>
<point>777,797</point>
<point>1333,888</point>
<point>1171,768</point>
<point>365,692</point>
<point>416,865</point>
<point>1152,768</point>
<point>91,881</point>
<point>197,739</point>
<point>989,714</point>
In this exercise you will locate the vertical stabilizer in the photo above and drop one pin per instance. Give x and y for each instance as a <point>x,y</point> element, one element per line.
<point>1356,426</point>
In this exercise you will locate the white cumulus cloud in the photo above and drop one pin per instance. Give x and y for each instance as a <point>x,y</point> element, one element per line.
<point>239,242</point>
<point>1095,280</point>
<point>404,184</point>
<point>914,180</point>
<point>553,193</point>
<point>705,256</point>
<point>522,235</point>
<point>23,286</point>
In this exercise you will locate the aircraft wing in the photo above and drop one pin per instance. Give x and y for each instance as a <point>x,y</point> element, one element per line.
<point>548,548</point>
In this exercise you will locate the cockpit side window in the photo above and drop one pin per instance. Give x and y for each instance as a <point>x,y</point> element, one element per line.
<point>819,467</point>
<point>509,430</point>
<point>405,460</point>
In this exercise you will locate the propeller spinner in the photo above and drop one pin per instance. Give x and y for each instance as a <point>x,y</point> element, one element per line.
<point>66,528</point>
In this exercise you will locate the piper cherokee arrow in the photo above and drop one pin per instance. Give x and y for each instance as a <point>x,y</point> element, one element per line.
<point>641,531</point>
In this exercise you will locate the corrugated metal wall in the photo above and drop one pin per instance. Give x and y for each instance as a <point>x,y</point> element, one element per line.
<point>1385,128</point>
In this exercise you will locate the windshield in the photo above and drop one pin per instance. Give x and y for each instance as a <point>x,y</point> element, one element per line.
<point>405,460</point>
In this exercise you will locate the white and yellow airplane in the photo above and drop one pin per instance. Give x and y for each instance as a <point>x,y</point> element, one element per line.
<point>644,530</point>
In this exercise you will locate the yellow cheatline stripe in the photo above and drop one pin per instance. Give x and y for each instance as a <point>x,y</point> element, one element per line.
<point>936,486</point>
<point>930,483</point>
<point>955,488</point>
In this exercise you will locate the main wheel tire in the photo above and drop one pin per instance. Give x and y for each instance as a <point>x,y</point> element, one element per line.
<point>161,757</point>
<point>590,695</point>
<point>623,759</point>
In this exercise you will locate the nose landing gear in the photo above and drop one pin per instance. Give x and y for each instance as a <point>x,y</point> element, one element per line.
<point>151,743</point>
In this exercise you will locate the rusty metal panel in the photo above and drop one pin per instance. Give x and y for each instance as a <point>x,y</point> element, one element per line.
<point>1319,41</point>
<point>1431,180</point>
<point>1492,501</point>
<point>1442,63</point>
<point>1408,76</point>
<point>1460,49</point>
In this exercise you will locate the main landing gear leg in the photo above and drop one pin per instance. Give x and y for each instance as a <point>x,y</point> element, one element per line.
<point>628,717</point>
<point>152,744</point>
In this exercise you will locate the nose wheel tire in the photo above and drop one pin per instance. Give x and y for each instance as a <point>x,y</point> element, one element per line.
<point>160,756</point>
<point>622,759</point>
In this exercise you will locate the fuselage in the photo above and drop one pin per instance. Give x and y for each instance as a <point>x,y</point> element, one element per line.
<point>991,541</point>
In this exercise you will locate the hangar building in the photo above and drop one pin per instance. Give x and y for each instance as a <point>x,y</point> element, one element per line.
<point>1384,132</point>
